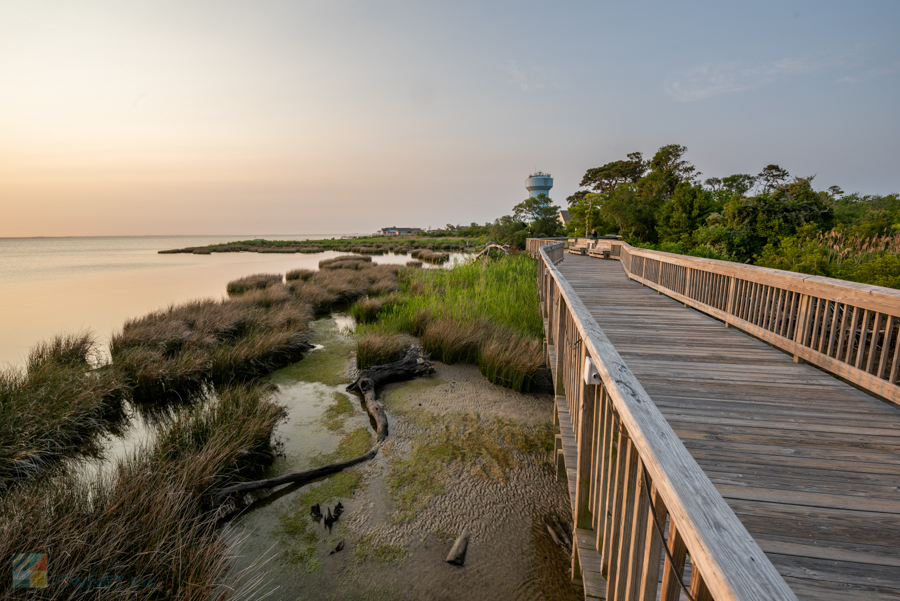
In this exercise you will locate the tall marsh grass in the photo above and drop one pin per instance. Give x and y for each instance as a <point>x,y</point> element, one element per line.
<point>172,354</point>
<point>484,313</point>
<point>56,406</point>
<point>257,281</point>
<point>148,526</point>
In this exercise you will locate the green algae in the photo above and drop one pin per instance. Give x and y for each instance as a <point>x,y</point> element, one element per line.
<point>304,540</point>
<point>336,414</point>
<point>329,368</point>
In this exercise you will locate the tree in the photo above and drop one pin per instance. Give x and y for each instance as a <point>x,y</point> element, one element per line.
<point>772,176</point>
<point>679,216</point>
<point>713,183</point>
<point>739,183</point>
<point>605,179</point>
<point>541,214</point>
<point>673,169</point>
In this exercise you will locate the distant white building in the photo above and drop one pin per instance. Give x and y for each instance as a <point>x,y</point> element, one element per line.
<point>564,217</point>
<point>398,231</point>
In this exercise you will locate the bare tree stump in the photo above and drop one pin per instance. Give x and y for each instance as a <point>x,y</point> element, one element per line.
<point>457,554</point>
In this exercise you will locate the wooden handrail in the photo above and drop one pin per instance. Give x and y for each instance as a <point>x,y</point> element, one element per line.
<point>619,434</point>
<point>533,244</point>
<point>851,330</point>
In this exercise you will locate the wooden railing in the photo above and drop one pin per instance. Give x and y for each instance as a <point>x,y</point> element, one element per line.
<point>851,330</point>
<point>624,446</point>
<point>533,244</point>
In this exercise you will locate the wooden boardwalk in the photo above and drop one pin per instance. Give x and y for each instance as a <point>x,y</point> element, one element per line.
<point>809,464</point>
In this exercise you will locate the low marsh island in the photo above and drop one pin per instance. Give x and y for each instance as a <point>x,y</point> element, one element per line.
<point>124,476</point>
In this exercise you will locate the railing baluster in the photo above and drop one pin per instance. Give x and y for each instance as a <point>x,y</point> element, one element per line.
<point>652,548</point>
<point>611,539</point>
<point>673,572</point>
<point>896,365</point>
<point>607,470</point>
<point>886,345</point>
<point>816,317</point>
<point>639,532</point>
<point>873,346</point>
<point>851,337</point>
<point>588,420</point>
<point>834,322</point>
<point>863,339</point>
<point>827,310</point>
<point>618,580</point>
<point>699,591</point>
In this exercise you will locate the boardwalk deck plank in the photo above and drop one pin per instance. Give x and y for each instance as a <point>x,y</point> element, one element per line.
<point>809,464</point>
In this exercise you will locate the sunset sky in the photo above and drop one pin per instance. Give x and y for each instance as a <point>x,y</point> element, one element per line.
<point>189,117</point>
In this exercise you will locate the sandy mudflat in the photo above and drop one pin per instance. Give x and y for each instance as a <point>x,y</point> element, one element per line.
<point>484,475</point>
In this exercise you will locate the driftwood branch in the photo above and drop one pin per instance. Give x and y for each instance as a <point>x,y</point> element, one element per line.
<point>296,478</point>
<point>367,386</point>
<point>413,365</point>
<point>487,249</point>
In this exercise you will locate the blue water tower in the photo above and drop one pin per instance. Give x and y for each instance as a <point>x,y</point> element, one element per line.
<point>538,183</point>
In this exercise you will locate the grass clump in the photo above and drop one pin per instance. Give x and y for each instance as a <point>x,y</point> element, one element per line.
<point>56,406</point>
<point>485,313</point>
<point>150,519</point>
<point>345,262</point>
<point>258,281</point>
<point>376,348</point>
<point>171,354</point>
<point>299,274</point>
<point>368,548</point>
<point>429,256</point>
<point>366,310</point>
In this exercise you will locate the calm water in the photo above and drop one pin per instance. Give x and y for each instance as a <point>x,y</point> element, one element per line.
<point>53,285</point>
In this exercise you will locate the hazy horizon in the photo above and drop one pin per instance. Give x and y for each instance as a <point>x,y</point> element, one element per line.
<point>173,118</point>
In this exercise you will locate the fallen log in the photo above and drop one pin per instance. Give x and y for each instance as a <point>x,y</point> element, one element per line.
<point>298,478</point>
<point>412,365</point>
<point>367,386</point>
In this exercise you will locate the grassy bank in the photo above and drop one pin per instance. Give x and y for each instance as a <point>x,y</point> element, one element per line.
<point>263,325</point>
<point>147,526</point>
<point>481,313</point>
<point>55,407</point>
<point>367,245</point>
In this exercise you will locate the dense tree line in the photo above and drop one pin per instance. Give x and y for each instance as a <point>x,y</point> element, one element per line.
<point>771,219</point>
